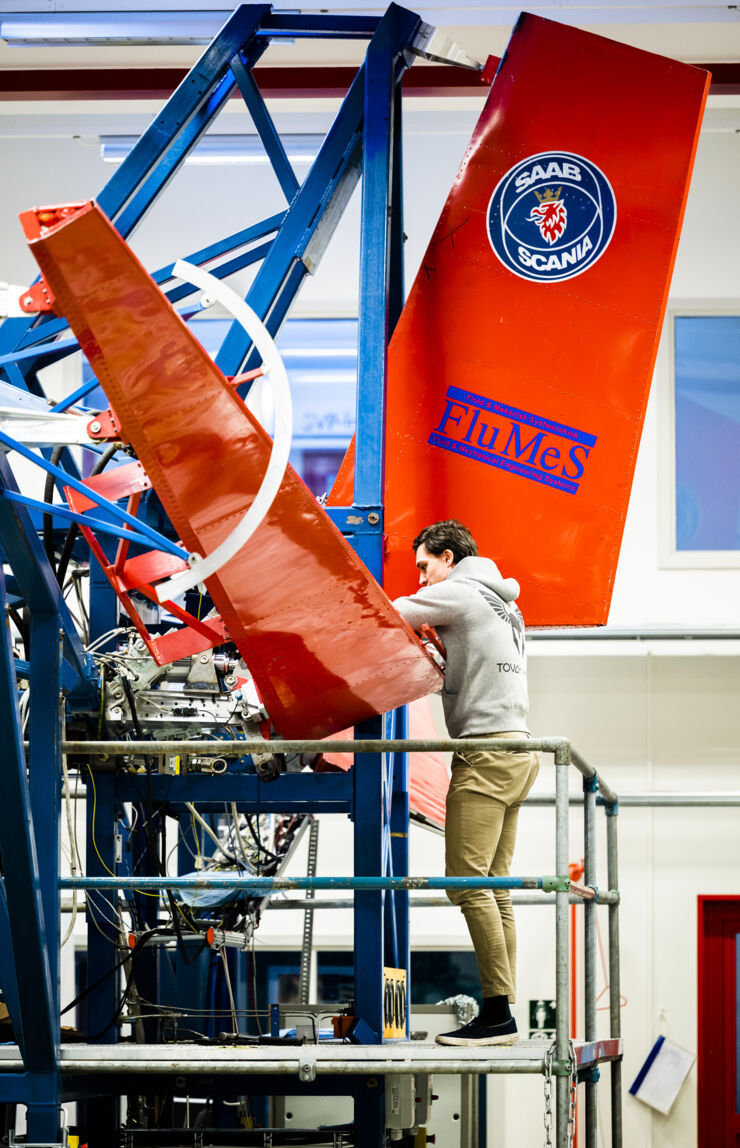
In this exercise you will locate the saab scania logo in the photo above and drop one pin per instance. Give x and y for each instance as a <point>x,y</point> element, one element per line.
<point>551,217</point>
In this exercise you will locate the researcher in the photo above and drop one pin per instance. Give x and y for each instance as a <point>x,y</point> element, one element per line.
<point>474,611</point>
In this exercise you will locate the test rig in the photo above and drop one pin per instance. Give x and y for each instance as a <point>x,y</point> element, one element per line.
<point>210,725</point>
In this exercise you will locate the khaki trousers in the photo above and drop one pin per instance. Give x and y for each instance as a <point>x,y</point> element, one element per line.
<point>485,795</point>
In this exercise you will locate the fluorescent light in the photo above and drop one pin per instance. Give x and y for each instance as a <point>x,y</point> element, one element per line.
<point>223,149</point>
<point>105,27</point>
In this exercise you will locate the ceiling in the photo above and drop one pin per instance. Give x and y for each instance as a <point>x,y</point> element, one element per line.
<point>697,32</point>
<point>115,87</point>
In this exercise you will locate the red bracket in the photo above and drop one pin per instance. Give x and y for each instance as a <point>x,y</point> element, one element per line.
<point>41,220</point>
<point>489,69</point>
<point>143,571</point>
<point>37,299</point>
<point>246,377</point>
<point>105,427</point>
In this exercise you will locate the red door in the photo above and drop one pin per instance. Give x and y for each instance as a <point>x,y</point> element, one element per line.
<point>719,1032</point>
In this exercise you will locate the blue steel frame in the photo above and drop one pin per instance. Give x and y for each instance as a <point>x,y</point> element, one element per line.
<point>363,142</point>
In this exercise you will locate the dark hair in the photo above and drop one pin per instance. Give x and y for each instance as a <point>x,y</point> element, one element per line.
<point>448,535</point>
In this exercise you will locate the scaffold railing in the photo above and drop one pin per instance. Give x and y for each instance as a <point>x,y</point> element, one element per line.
<point>560,1064</point>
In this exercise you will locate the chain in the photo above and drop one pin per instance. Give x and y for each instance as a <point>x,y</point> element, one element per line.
<point>548,1095</point>
<point>572,1093</point>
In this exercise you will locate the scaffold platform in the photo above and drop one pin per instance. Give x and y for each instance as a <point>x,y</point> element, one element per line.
<point>308,1061</point>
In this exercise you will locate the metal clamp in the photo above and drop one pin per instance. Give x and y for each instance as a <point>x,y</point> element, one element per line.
<point>557,884</point>
<point>23,1143</point>
<point>307,1065</point>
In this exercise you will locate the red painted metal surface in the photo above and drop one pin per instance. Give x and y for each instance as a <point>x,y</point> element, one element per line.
<point>275,83</point>
<point>518,374</point>
<point>143,571</point>
<point>429,779</point>
<point>324,644</point>
<point>717,1061</point>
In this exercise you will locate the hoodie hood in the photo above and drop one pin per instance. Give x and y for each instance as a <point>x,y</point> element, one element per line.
<point>485,571</point>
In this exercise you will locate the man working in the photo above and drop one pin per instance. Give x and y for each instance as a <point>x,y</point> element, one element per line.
<point>473,609</point>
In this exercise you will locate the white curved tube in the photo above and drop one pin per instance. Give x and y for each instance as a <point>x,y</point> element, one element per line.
<point>274,370</point>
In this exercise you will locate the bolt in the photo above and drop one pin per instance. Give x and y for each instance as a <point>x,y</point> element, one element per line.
<point>373,518</point>
<point>231,680</point>
<point>180,1082</point>
<point>204,658</point>
<point>95,426</point>
<point>28,300</point>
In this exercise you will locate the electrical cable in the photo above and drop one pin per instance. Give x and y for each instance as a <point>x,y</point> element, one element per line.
<point>133,955</point>
<point>91,894</point>
<point>214,837</point>
<point>142,892</point>
<point>257,840</point>
<point>132,706</point>
<point>254,983</point>
<point>48,524</point>
<point>230,991</point>
<point>71,536</point>
<point>237,833</point>
<point>74,858</point>
<point>99,641</point>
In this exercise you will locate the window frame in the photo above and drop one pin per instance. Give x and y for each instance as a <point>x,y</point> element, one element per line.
<point>670,557</point>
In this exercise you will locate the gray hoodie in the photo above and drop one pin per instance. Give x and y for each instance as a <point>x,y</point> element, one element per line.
<point>474,612</point>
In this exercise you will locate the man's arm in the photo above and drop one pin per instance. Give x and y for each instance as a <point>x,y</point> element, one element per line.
<point>430,606</point>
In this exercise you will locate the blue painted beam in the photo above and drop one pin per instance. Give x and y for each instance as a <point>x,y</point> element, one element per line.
<point>159,541</point>
<point>38,336</point>
<point>36,997</point>
<point>250,883</point>
<point>41,353</point>
<point>369,908</point>
<point>25,554</point>
<point>396,274</point>
<point>329,183</point>
<point>102,953</point>
<point>224,246</point>
<point>67,515</point>
<point>186,115</point>
<point>14,1088</point>
<point>156,157</point>
<point>399,829</point>
<point>325,26</point>
<point>384,66</point>
<point>8,973</point>
<point>266,128</point>
<point>289,793</point>
<point>45,786</point>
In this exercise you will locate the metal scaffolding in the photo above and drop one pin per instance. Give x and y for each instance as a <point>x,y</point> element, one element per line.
<point>417,1058</point>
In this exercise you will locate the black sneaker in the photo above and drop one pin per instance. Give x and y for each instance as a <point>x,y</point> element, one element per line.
<point>478,1033</point>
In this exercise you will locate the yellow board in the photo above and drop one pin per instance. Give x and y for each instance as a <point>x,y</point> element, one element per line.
<point>394,1003</point>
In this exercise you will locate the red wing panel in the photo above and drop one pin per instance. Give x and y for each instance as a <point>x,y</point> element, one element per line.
<point>323,642</point>
<point>519,372</point>
<point>428,776</point>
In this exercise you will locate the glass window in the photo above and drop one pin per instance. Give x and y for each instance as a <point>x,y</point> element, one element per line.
<point>707,432</point>
<point>320,357</point>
